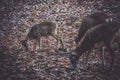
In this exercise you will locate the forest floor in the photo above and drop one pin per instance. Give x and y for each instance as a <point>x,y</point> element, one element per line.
<point>50,64</point>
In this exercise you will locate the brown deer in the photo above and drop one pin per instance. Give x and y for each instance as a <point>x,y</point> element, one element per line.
<point>101,33</point>
<point>90,21</point>
<point>42,29</point>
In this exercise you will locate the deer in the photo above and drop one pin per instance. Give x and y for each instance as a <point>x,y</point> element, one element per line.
<point>43,29</point>
<point>101,33</point>
<point>91,21</point>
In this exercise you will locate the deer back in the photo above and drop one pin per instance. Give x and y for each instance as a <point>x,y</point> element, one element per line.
<point>47,28</point>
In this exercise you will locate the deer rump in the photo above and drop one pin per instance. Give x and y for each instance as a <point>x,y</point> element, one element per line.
<point>100,33</point>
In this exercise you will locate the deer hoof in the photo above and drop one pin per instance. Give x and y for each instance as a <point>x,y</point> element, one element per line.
<point>62,49</point>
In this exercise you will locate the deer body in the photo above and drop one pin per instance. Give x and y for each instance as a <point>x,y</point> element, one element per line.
<point>89,22</point>
<point>100,33</point>
<point>41,30</point>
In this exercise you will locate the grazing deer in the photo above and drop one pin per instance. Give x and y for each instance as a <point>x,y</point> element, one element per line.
<point>43,29</point>
<point>100,33</point>
<point>89,22</point>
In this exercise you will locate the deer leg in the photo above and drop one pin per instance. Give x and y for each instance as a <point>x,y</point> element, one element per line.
<point>118,45</point>
<point>87,57</point>
<point>46,39</point>
<point>35,45</point>
<point>112,54</point>
<point>39,43</point>
<point>102,56</point>
<point>58,39</point>
<point>24,43</point>
<point>61,41</point>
